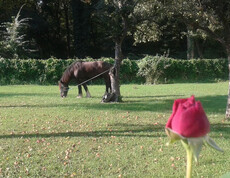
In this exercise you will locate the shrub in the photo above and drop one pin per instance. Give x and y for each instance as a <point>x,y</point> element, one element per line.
<point>153,68</point>
<point>13,44</point>
<point>158,69</point>
<point>129,70</point>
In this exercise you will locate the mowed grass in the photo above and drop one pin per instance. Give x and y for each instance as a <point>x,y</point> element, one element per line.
<point>42,135</point>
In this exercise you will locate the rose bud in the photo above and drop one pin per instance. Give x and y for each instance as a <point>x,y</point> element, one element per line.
<point>188,118</point>
<point>189,123</point>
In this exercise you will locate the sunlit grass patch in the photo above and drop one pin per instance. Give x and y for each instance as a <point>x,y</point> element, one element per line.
<point>43,135</point>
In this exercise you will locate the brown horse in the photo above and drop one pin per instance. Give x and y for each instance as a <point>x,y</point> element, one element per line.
<point>83,71</point>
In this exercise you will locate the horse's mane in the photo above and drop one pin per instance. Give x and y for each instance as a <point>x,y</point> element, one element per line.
<point>69,71</point>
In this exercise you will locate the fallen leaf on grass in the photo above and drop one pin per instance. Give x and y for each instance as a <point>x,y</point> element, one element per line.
<point>98,155</point>
<point>161,149</point>
<point>73,174</point>
<point>39,141</point>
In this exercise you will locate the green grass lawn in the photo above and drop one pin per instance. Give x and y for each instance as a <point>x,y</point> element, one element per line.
<point>42,135</point>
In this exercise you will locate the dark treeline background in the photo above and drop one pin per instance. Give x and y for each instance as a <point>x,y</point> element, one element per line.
<point>69,28</point>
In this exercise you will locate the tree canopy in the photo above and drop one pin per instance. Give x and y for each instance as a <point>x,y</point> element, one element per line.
<point>74,28</point>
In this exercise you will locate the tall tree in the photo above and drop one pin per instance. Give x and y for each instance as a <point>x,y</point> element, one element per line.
<point>67,25</point>
<point>120,18</point>
<point>81,25</point>
<point>190,44</point>
<point>210,16</point>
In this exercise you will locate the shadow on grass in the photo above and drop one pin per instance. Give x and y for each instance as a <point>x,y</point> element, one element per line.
<point>156,96</point>
<point>163,103</point>
<point>117,130</point>
<point>221,128</point>
<point>135,106</point>
<point>214,104</point>
<point>121,130</point>
<point>7,95</point>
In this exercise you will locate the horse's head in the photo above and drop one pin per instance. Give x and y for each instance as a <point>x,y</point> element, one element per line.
<point>63,89</point>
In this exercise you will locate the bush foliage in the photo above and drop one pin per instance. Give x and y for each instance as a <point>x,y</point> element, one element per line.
<point>159,69</point>
<point>150,69</point>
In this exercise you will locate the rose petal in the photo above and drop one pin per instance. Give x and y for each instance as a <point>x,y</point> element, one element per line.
<point>190,102</point>
<point>175,106</point>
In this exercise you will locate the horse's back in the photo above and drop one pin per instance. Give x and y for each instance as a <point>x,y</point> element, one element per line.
<point>96,66</point>
<point>86,70</point>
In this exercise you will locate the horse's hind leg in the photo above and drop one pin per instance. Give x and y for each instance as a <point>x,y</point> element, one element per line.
<point>79,92</point>
<point>86,90</point>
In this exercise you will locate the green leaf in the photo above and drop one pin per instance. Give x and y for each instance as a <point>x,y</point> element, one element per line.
<point>212,143</point>
<point>196,145</point>
<point>173,135</point>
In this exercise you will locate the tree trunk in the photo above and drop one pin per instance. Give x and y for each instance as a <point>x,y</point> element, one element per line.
<point>199,49</point>
<point>190,45</point>
<point>81,28</point>
<point>117,65</point>
<point>115,95</point>
<point>228,102</point>
<point>66,9</point>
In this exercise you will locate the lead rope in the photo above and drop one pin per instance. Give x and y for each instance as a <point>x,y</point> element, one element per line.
<point>92,78</point>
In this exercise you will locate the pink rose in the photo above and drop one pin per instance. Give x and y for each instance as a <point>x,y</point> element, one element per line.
<point>189,123</point>
<point>188,118</point>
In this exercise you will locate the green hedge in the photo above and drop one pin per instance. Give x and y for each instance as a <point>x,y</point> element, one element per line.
<point>150,69</point>
<point>158,69</point>
<point>13,71</point>
<point>32,71</point>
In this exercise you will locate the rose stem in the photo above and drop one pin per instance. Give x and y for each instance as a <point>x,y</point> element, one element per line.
<point>189,152</point>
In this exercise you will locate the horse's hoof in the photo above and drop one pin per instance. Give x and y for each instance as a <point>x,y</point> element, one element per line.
<point>79,96</point>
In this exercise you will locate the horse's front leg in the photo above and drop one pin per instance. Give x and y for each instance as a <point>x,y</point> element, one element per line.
<point>79,92</point>
<point>86,90</point>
